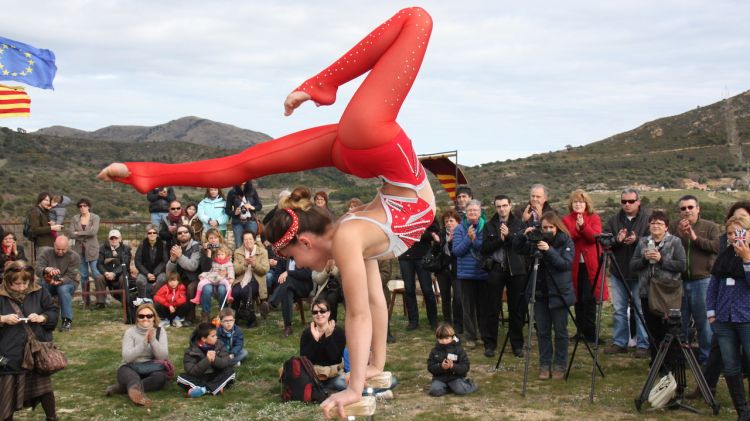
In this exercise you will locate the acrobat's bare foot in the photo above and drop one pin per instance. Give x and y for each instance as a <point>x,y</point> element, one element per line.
<point>294,100</point>
<point>113,171</point>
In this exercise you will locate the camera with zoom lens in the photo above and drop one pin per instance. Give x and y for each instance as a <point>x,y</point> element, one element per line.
<point>57,278</point>
<point>213,246</point>
<point>245,213</point>
<point>674,318</point>
<point>535,236</point>
<point>3,361</point>
<point>605,239</point>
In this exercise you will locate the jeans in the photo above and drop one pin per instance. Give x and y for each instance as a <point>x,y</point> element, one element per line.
<point>410,268</point>
<point>156,217</point>
<point>460,386</point>
<point>208,292</point>
<point>286,293</point>
<point>240,357</point>
<point>620,328</point>
<point>546,320</point>
<point>146,288</point>
<point>241,228</point>
<point>337,383</point>
<point>694,304</point>
<point>731,336</point>
<point>270,281</point>
<point>64,294</point>
<point>87,268</point>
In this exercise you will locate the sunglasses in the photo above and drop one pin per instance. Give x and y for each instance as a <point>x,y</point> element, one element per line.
<point>151,233</point>
<point>83,206</point>
<point>688,207</point>
<point>183,232</point>
<point>175,208</point>
<point>24,269</point>
<point>146,316</point>
<point>316,312</point>
<point>629,202</point>
<point>114,238</point>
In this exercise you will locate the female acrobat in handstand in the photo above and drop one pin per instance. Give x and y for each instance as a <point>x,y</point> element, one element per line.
<point>367,142</point>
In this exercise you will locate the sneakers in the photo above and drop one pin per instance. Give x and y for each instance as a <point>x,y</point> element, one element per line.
<point>264,309</point>
<point>115,389</point>
<point>558,374</point>
<point>66,325</point>
<point>196,392</point>
<point>544,374</point>
<point>164,323</point>
<point>471,344</point>
<point>615,349</point>
<point>642,353</point>
<point>177,322</point>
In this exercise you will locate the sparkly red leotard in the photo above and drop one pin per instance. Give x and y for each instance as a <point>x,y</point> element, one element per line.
<point>367,141</point>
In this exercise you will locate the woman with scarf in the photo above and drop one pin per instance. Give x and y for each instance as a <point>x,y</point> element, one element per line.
<point>144,347</point>
<point>10,250</point>
<point>250,268</point>
<point>661,256</point>
<point>169,223</point>
<point>584,225</point>
<point>467,245</point>
<point>191,213</point>
<point>20,388</point>
<point>554,291</point>
<point>728,308</point>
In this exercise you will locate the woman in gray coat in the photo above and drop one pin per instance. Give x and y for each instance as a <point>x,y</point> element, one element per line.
<point>84,229</point>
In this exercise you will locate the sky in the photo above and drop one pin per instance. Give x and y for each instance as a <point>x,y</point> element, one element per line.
<point>501,79</point>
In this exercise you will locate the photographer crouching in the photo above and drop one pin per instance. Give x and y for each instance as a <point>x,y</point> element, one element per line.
<point>554,289</point>
<point>659,260</point>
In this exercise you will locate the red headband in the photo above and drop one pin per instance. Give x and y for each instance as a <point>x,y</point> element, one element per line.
<point>290,234</point>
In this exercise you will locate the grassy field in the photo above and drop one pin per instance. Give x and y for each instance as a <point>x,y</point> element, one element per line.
<point>93,349</point>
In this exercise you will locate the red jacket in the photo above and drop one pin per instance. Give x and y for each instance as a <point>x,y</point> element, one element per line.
<point>167,296</point>
<point>585,244</point>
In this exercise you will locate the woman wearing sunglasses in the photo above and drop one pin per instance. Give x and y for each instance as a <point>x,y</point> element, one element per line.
<point>142,344</point>
<point>323,344</point>
<point>19,387</point>
<point>84,229</point>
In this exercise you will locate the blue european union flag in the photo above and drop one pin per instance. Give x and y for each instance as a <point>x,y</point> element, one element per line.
<point>23,63</point>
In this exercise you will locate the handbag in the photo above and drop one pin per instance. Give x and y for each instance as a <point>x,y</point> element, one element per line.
<point>42,357</point>
<point>664,294</point>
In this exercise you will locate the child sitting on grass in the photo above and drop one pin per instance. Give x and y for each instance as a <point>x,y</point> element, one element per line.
<point>208,368</point>
<point>222,273</point>
<point>448,364</point>
<point>231,336</point>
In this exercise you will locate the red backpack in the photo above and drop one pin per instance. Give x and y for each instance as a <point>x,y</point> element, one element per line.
<point>300,383</point>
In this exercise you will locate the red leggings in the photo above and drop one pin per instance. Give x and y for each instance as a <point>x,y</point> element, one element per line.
<point>393,54</point>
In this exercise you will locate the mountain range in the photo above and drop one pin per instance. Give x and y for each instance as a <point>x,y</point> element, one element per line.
<point>704,147</point>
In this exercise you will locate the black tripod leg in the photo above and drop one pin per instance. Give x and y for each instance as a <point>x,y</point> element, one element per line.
<point>502,350</point>
<point>699,378</point>
<point>572,356</point>
<point>578,338</point>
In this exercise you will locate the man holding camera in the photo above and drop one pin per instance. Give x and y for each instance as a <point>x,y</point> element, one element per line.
<point>58,266</point>
<point>626,227</point>
<point>700,238</point>
<point>507,269</point>
<point>158,203</point>
<point>113,265</point>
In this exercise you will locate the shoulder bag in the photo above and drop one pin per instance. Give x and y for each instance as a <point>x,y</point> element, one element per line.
<point>42,357</point>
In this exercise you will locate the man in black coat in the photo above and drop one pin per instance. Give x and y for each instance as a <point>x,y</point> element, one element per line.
<point>508,271</point>
<point>113,265</point>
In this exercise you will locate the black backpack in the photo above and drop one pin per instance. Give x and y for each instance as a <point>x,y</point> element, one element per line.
<point>27,228</point>
<point>300,383</point>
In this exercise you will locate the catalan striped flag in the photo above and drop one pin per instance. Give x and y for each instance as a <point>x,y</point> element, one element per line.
<point>445,170</point>
<point>14,102</point>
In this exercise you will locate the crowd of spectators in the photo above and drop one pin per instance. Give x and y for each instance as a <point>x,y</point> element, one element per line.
<point>185,261</point>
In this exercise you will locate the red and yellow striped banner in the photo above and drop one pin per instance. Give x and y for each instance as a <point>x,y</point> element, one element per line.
<point>14,102</point>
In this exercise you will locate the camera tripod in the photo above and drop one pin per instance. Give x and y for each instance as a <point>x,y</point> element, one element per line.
<point>672,336</point>
<point>601,275</point>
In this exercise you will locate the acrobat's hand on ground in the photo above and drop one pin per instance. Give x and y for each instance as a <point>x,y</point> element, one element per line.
<point>338,401</point>
<point>294,100</point>
<point>113,171</point>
